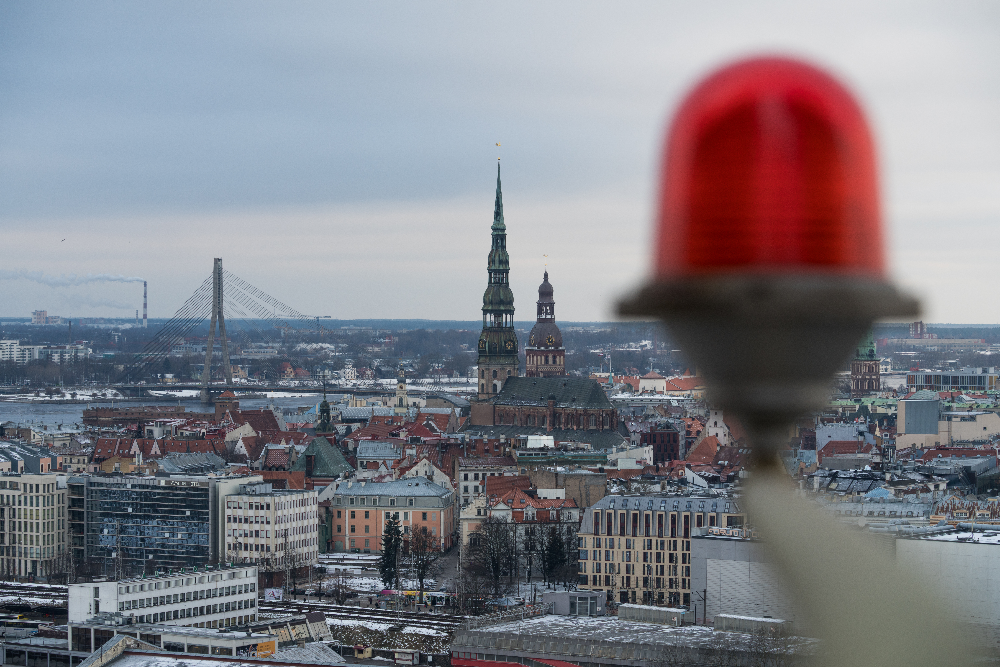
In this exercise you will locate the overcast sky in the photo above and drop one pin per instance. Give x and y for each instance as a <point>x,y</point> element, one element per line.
<point>341,156</point>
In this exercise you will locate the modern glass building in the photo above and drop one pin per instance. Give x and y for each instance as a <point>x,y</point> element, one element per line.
<point>123,526</point>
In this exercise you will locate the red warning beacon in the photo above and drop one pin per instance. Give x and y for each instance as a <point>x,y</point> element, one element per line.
<point>769,264</point>
<point>769,168</point>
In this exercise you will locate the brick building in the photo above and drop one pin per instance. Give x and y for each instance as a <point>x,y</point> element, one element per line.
<point>665,441</point>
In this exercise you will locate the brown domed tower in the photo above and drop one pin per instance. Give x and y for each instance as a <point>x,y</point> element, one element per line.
<point>545,355</point>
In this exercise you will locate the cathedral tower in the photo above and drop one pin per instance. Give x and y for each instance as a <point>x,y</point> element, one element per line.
<point>498,341</point>
<point>866,378</point>
<point>545,355</point>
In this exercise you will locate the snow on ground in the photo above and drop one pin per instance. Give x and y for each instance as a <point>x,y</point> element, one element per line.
<point>383,627</point>
<point>373,584</point>
<point>17,599</point>
<point>176,393</point>
<point>84,394</point>
<point>371,625</point>
<point>424,631</point>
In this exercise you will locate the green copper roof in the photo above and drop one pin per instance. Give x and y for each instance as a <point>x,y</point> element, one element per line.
<point>329,462</point>
<point>866,348</point>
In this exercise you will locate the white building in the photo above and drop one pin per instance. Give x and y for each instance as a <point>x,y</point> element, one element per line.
<point>200,598</point>
<point>13,351</point>
<point>273,528</point>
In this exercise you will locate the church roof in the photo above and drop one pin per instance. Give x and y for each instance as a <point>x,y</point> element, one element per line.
<point>582,393</point>
<point>329,462</point>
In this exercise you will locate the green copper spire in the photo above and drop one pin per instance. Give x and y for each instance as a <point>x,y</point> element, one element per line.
<point>498,348</point>
<point>498,225</point>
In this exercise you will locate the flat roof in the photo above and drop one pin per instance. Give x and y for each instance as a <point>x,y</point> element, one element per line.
<point>614,629</point>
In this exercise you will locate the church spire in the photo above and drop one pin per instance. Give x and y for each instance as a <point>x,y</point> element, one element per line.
<point>498,224</point>
<point>498,348</point>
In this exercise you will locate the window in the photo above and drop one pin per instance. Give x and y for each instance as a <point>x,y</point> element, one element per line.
<point>406,516</point>
<point>424,517</point>
<point>410,502</point>
<point>366,514</point>
<point>352,514</point>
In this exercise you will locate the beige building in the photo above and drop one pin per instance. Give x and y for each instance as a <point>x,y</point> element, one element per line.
<point>33,525</point>
<point>638,548</point>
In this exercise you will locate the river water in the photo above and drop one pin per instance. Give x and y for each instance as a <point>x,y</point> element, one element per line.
<point>70,415</point>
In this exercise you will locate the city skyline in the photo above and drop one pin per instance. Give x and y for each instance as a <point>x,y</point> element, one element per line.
<point>141,143</point>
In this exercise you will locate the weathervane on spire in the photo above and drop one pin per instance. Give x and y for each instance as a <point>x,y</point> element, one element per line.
<point>546,260</point>
<point>498,152</point>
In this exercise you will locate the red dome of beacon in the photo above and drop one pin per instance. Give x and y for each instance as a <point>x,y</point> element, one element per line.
<point>769,168</point>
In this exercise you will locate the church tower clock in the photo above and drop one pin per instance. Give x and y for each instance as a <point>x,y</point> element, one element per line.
<point>498,349</point>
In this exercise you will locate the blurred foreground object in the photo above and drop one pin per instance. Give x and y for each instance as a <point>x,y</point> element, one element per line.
<point>769,269</point>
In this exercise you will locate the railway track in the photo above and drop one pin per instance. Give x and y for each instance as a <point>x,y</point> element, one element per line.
<point>50,597</point>
<point>442,622</point>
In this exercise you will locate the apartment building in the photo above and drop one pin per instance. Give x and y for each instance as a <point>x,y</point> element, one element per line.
<point>33,536</point>
<point>206,598</point>
<point>13,351</point>
<point>275,529</point>
<point>361,509</point>
<point>638,548</point>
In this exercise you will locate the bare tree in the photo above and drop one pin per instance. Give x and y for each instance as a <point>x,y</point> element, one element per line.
<point>423,557</point>
<point>490,552</point>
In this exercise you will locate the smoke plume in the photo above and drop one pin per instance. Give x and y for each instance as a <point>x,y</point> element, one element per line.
<point>65,279</point>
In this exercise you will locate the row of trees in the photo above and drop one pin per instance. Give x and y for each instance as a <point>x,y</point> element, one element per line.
<point>502,554</point>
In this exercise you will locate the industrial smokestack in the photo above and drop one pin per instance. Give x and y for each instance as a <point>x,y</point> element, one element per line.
<point>145,321</point>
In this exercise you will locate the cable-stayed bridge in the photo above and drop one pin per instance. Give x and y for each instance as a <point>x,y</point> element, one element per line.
<point>236,311</point>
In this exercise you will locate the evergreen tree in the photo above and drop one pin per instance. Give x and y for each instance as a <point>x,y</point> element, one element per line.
<point>388,563</point>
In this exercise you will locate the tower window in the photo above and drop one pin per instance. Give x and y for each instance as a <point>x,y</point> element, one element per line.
<point>494,373</point>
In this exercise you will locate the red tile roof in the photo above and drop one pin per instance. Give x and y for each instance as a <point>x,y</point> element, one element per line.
<point>704,451</point>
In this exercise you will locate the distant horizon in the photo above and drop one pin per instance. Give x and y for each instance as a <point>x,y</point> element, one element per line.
<point>476,324</point>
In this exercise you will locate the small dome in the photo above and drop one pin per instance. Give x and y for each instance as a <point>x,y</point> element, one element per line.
<point>545,290</point>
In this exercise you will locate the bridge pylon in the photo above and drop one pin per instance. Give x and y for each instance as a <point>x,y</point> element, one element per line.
<point>217,317</point>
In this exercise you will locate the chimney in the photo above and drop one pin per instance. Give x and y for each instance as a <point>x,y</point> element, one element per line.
<point>145,321</point>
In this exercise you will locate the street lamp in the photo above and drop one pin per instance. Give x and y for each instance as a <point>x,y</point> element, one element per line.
<point>769,268</point>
